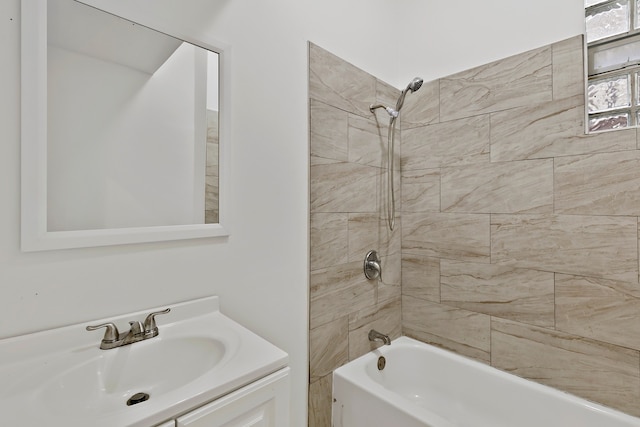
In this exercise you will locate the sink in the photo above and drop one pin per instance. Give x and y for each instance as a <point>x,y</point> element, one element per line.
<point>105,382</point>
<point>61,377</point>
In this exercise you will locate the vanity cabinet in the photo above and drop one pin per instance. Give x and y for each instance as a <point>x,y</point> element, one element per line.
<point>203,370</point>
<point>264,403</point>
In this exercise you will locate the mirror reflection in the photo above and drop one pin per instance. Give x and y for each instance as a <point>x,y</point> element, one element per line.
<point>132,124</point>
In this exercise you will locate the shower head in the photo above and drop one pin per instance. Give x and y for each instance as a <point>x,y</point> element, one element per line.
<point>390,111</point>
<point>413,86</point>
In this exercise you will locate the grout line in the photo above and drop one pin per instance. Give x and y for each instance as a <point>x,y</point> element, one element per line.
<point>555,323</point>
<point>490,240</point>
<point>553,184</point>
<point>490,340</point>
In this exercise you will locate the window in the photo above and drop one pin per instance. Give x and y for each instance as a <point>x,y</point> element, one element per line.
<point>613,40</point>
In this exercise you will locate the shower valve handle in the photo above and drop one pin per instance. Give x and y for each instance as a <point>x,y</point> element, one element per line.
<point>372,266</point>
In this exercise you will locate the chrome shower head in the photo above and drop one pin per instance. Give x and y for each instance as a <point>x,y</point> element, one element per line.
<point>413,86</point>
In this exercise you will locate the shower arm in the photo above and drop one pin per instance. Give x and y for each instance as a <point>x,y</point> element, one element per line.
<point>390,111</point>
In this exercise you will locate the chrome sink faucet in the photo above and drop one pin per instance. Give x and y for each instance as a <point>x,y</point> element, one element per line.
<point>138,332</point>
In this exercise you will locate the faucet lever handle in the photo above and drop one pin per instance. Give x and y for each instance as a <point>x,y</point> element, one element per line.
<point>150,326</point>
<point>110,335</point>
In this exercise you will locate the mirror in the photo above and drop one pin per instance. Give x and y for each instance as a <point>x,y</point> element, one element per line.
<point>123,130</point>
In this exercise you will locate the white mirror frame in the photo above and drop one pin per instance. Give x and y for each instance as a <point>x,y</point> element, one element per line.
<point>34,234</point>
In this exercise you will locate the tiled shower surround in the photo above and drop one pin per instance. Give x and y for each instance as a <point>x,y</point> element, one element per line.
<point>348,164</point>
<point>519,233</point>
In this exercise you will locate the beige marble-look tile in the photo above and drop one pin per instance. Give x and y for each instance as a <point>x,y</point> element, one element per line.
<point>551,129</point>
<point>447,344</point>
<point>321,402</point>
<point>212,170</point>
<point>337,291</point>
<point>367,141</point>
<point>447,235</point>
<point>421,277</point>
<point>456,143</point>
<point>519,80</point>
<point>328,347</point>
<point>329,131</point>
<point>421,107</point>
<point>329,239</point>
<point>598,309</point>
<point>212,192</point>
<point>599,246</point>
<point>390,241</point>
<point>384,208</point>
<point>322,161</point>
<point>421,190</point>
<point>598,184</point>
<point>568,68</point>
<point>386,94</point>
<point>339,83</point>
<point>501,291</point>
<point>596,371</point>
<point>383,179</point>
<point>460,330</point>
<point>383,194</point>
<point>389,285</point>
<point>343,187</point>
<point>385,317</point>
<point>213,159</point>
<point>213,143</point>
<point>363,235</point>
<point>507,187</point>
<point>211,216</point>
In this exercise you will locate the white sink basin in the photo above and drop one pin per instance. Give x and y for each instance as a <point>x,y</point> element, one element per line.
<point>104,383</point>
<point>61,377</point>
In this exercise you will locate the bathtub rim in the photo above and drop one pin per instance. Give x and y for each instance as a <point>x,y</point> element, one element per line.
<point>351,371</point>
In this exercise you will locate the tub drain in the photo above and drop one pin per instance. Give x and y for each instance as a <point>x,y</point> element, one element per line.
<point>382,362</point>
<point>137,398</point>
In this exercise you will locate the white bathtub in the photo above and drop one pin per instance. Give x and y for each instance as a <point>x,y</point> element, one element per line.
<point>424,386</point>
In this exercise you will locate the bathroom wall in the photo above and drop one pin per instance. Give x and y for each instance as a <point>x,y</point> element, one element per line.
<point>436,39</point>
<point>347,219</point>
<point>269,164</point>
<point>520,232</point>
<point>261,271</point>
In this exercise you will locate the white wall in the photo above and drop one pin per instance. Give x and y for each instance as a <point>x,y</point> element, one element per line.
<point>261,271</point>
<point>439,38</point>
<point>399,40</point>
<point>362,32</point>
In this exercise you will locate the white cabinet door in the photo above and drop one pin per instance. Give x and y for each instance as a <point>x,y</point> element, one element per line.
<point>264,403</point>
<point>171,423</point>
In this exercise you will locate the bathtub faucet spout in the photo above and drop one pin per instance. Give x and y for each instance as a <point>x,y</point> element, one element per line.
<point>377,336</point>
